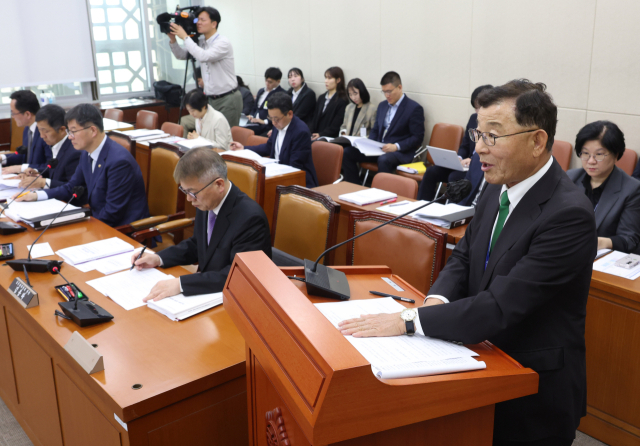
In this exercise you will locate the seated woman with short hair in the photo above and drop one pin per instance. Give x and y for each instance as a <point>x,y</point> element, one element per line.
<point>210,123</point>
<point>615,196</point>
<point>360,114</point>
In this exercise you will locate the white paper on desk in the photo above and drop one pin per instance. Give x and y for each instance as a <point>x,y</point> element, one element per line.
<point>94,250</point>
<point>249,154</point>
<point>8,176</point>
<point>426,368</point>
<point>394,349</point>
<point>108,265</point>
<point>180,307</point>
<point>195,143</point>
<point>6,194</point>
<point>9,184</point>
<point>31,210</point>
<point>607,265</point>
<point>367,196</point>
<point>40,250</point>
<point>128,288</point>
<point>274,169</point>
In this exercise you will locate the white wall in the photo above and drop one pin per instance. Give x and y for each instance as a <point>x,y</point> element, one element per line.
<point>586,51</point>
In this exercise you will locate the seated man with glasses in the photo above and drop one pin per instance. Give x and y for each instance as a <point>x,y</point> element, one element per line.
<point>290,142</point>
<point>111,177</point>
<point>24,106</point>
<point>227,222</point>
<point>399,124</point>
<point>614,195</point>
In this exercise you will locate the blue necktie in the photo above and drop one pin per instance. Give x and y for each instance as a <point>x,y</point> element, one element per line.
<point>212,222</point>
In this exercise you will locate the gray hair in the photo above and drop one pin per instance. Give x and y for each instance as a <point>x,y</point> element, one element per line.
<point>201,163</point>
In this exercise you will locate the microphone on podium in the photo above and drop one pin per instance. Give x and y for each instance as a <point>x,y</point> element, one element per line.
<point>42,266</point>
<point>327,282</point>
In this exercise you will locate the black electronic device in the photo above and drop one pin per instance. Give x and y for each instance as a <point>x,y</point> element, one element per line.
<point>8,228</point>
<point>6,251</point>
<point>79,309</point>
<point>184,17</point>
<point>323,281</point>
<point>42,266</point>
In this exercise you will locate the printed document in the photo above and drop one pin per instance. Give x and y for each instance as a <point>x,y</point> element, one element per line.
<point>76,255</point>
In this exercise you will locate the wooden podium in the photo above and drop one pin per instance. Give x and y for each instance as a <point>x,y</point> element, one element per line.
<point>307,385</point>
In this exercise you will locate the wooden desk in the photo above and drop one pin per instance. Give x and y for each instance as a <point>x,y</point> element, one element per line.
<point>192,372</point>
<point>613,360</point>
<point>335,190</point>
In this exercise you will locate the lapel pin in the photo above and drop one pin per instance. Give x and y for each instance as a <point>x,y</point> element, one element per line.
<point>99,166</point>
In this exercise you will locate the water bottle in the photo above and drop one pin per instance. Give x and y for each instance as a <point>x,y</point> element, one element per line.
<point>43,98</point>
<point>52,98</point>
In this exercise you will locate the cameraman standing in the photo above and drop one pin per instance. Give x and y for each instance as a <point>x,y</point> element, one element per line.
<point>215,54</point>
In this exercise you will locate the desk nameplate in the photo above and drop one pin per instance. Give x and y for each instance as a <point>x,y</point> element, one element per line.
<point>24,294</point>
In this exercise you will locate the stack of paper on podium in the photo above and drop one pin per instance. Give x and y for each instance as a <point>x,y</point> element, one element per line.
<point>41,213</point>
<point>181,307</point>
<point>368,196</point>
<point>128,288</point>
<point>249,154</point>
<point>448,212</point>
<point>400,356</point>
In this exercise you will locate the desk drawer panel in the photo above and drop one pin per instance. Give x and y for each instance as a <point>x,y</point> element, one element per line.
<point>7,380</point>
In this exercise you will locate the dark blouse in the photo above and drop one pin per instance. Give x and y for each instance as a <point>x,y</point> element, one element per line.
<point>593,194</point>
<point>355,118</point>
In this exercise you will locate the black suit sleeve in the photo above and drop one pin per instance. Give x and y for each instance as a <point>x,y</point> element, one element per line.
<point>306,108</point>
<point>467,146</point>
<point>185,252</point>
<point>636,172</point>
<point>416,131</point>
<point>332,129</point>
<point>253,237</point>
<point>627,237</point>
<point>557,255</point>
<point>68,168</point>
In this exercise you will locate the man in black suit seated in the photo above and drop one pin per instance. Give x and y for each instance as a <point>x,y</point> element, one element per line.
<point>259,118</point>
<point>227,222</point>
<point>290,142</point>
<point>399,124</point>
<point>51,125</point>
<point>520,276</point>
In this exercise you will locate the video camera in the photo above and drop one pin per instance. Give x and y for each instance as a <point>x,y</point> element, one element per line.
<point>184,17</point>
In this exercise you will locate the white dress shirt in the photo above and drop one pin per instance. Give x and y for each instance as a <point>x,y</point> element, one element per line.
<point>327,99</point>
<point>55,149</point>
<point>391,113</point>
<point>280,140</point>
<point>295,94</point>
<point>42,195</point>
<point>216,62</point>
<point>515,194</point>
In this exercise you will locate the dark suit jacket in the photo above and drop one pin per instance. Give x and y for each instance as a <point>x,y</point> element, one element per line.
<point>115,190</point>
<point>40,152</point>
<point>241,226</point>
<point>475,175</point>
<point>328,123</point>
<point>295,150</point>
<point>406,128</point>
<point>248,102</point>
<point>530,302</point>
<point>467,146</point>
<point>259,110</point>
<point>305,105</point>
<point>618,211</point>
<point>68,159</point>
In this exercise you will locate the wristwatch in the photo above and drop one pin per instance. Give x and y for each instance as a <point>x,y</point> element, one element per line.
<point>408,317</point>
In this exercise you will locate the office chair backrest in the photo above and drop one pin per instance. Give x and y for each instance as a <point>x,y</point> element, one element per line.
<point>163,191</point>
<point>146,119</point>
<point>412,249</point>
<point>305,223</point>
<point>248,175</point>
<point>405,187</point>
<point>172,129</point>
<point>327,159</point>
<point>255,140</point>
<point>562,151</point>
<point>628,161</point>
<point>445,136</point>
<point>124,141</point>
<point>241,134</point>
<point>114,113</point>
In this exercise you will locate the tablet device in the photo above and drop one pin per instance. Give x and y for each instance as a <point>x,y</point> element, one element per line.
<point>446,158</point>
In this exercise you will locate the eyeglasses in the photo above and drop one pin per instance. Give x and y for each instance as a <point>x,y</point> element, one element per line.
<point>599,157</point>
<point>275,120</point>
<point>16,114</point>
<point>490,139</point>
<point>194,194</point>
<point>388,92</point>
<point>72,133</point>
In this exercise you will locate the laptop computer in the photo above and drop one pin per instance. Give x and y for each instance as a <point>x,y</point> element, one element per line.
<point>446,158</point>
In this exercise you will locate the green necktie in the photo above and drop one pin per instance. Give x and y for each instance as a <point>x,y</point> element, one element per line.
<point>502,217</point>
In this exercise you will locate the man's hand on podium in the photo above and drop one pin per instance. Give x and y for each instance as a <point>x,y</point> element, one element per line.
<point>369,325</point>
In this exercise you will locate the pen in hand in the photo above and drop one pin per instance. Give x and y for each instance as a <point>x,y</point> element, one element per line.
<point>140,255</point>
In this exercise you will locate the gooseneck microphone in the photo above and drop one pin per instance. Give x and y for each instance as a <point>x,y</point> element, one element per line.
<point>327,282</point>
<point>42,266</point>
<point>51,164</point>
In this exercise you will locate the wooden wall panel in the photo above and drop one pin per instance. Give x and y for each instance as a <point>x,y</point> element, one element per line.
<point>36,387</point>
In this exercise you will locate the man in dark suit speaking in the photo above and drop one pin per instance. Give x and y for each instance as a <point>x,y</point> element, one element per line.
<point>227,222</point>
<point>399,125</point>
<point>520,276</point>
